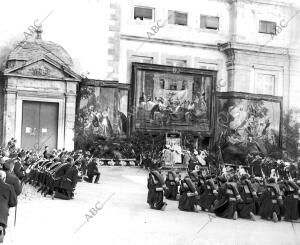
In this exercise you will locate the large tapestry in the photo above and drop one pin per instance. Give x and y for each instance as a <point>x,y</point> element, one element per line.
<point>166,101</point>
<point>247,123</point>
<point>102,112</point>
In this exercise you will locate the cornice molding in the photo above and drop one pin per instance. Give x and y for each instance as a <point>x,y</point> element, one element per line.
<point>266,2</point>
<point>247,47</point>
<point>42,78</point>
<point>168,42</point>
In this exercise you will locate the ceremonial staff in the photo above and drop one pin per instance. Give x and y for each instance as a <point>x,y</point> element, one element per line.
<point>263,175</point>
<point>16,208</point>
<point>277,175</point>
<point>290,176</point>
<point>15,221</point>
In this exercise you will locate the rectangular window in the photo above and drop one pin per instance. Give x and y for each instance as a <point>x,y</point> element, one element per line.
<point>209,22</point>
<point>141,59</point>
<point>267,27</point>
<point>141,13</point>
<point>208,66</point>
<point>265,84</point>
<point>177,18</point>
<point>174,62</point>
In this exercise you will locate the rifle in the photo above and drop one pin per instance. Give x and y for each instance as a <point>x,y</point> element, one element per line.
<point>89,161</point>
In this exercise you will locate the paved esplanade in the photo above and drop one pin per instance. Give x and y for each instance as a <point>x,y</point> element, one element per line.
<point>125,218</point>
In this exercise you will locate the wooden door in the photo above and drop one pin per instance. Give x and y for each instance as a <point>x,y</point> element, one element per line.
<point>30,125</point>
<point>39,125</point>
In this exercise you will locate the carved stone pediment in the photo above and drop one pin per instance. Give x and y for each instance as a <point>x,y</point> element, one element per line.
<point>44,69</point>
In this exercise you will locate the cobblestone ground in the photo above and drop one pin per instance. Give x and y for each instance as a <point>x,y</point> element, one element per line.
<point>125,218</point>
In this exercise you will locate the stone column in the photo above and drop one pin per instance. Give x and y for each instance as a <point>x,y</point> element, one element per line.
<point>9,115</point>
<point>70,115</point>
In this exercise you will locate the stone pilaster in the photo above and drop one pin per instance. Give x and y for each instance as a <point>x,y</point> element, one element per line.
<point>114,42</point>
<point>70,122</point>
<point>70,110</point>
<point>294,87</point>
<point>9,115</point>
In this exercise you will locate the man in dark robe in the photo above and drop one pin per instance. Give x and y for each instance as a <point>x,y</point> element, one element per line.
<point>68,182</point>
<point>228,196</point>
<point>8,199</point>
<point>11,179</point>
<point>84,163</point>
<point>44,175</point>
<point>48,187</point>
<point>188,196</point>
<point>271,202</point>
<point>19,168</point>
<point>195,178</point>
<point>246,208</point>
<point>92,171</point>
<point>258,187</point>
<point>291,200</point>
<point>32,171</point>
<point>156,185</point>
<point>208,193</point>
<point>172,183</point>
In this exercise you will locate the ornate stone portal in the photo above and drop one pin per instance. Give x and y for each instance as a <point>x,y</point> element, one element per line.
<point>38,97</point>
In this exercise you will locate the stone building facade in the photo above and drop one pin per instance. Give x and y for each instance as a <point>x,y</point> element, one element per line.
<point>252,44</point>
<point>249,46</point>
<point>38,96</point>
<point>190,50</point>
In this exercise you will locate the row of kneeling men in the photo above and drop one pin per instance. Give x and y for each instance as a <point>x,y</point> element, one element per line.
<point>230,197</point>
<point>54,177</point>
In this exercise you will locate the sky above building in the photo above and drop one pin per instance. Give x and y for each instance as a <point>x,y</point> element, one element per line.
<point>80,26</point>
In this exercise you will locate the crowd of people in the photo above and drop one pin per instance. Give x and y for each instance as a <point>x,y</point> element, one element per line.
<point>231,191</point>
<point>54,173</point>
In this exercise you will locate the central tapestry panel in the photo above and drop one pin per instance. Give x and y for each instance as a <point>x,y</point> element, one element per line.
<point>167,101</point>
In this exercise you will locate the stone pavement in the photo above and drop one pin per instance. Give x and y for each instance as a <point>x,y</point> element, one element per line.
<point>123,217</point>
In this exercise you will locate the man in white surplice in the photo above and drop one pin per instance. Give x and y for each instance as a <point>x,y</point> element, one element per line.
<point>167,155</point>
<point>177,152</point>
